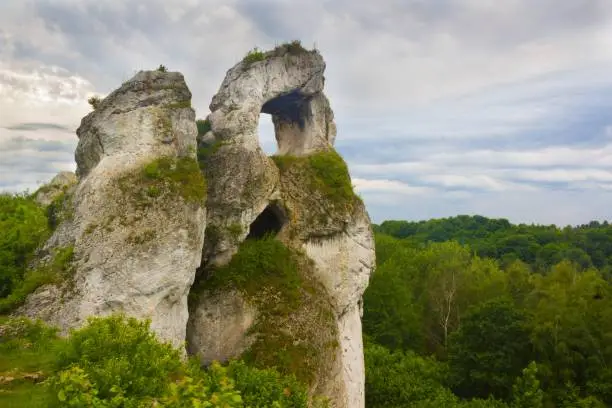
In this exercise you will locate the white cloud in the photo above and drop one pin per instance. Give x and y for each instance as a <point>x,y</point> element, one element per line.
<point>470,103</point>
<point>388,186</point>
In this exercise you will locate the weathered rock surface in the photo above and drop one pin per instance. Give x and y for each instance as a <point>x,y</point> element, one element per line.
<point>135,229</point>
<point>249,194</point>
<point>55,188</point>
<point>142,219</point>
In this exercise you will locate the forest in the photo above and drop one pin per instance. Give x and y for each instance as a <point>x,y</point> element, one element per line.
<point>460,312</point>
<point>480,312</point>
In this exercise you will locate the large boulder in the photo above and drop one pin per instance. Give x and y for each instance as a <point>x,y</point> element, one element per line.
<point>132,230</point>
<point>303,197</point>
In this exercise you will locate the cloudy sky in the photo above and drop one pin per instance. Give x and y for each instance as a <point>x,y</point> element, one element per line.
<point>443,107</point>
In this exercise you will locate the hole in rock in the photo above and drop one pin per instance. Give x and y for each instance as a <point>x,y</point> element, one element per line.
<point>265,129</point>
<point>269,222</point>
<point>290,114</point>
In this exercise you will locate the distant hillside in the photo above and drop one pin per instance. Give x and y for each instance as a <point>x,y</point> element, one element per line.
<point>541,246</point>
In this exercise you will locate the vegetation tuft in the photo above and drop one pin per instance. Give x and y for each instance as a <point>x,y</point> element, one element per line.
<point>255,55</point>
<point>165,176</point>
<point>95,102</point>
<point>321,187</point>
<point>58,269</point>
<point>287,336</point>
<point>118,362</point>
<point>293,47</point>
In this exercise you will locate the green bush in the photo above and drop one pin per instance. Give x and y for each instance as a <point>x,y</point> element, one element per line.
<point>24,228</point>
<point>55,270</point>
<point>121,356</point>
<point>95,102</point>
<point>293,47</point>
<point>266,387</point>
<point>118,362</point>
<point>255,55</point>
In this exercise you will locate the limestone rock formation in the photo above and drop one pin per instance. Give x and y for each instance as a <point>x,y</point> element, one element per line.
<point>239,254</point>
<point>303,196</point>
<point>131,232</point>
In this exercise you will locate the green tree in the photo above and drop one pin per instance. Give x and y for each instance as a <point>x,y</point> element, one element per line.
<point>489,350</point>
<point>526,391</point>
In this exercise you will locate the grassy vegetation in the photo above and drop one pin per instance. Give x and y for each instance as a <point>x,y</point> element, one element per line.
<point>179,105</point>
<point>255,55</point>
<point>118,362</point>
<point>24,228</point>
<point>325,172</point>
<point>295,327</point>
<point>56,270</point>
<point>165,176</point>
<point>293,47</point>
<point>322,186</point>
<point>27,355</point>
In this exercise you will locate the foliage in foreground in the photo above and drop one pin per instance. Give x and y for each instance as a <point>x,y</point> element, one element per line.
<point>117,362</point>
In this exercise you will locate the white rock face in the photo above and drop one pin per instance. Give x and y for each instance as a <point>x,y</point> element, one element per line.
<point>244,185</point>
<point>135,250</point>
<point>222,324</point>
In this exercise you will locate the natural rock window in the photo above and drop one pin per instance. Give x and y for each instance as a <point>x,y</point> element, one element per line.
<point>265,130</point>
<point>269,222</point>
<point>291,118</point>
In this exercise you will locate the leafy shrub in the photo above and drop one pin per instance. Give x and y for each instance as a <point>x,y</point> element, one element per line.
<point>293,47</point>
<point>24,228</point>
<point>58,268</point>
<point>162,68</point>
<point>255,55</point>
<point>95,102</point>
<point>266,387</point>
<point>120,355</point>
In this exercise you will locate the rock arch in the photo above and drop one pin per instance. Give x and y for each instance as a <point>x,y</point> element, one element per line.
<point>287,85</point>
<point>251,194</point>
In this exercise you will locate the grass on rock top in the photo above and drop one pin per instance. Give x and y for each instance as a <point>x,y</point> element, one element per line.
<point>324,172</point>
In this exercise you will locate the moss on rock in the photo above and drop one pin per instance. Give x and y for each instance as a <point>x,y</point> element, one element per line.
<point>295,330</point>
<point>317,191</point>
<point>165,176</point>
